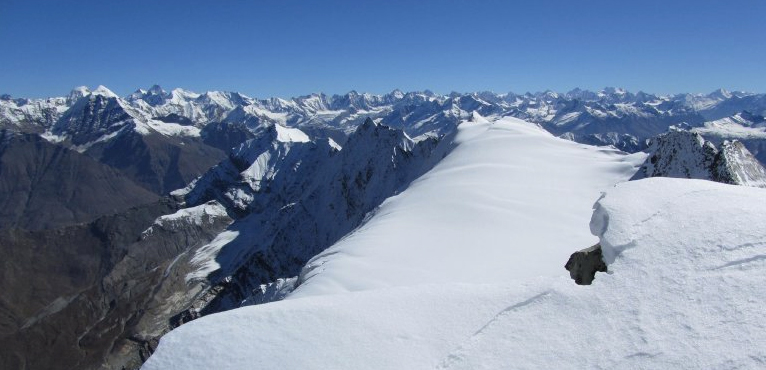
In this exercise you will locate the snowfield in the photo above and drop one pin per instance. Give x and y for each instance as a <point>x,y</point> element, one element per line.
<point>509,202</point>
<point>464,270</point>
<point>685,289</point>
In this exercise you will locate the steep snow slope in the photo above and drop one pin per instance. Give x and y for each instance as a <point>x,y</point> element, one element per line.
<point>685,290</point>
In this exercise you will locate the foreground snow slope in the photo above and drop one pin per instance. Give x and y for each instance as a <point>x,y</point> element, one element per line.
<point>685,290</point>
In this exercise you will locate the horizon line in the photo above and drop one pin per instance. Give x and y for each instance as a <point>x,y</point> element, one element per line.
<point>6,96</point>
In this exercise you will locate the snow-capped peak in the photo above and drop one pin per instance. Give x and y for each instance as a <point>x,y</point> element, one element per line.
<point>156,90</point>
<point>614,90</point>
<point>397,94</point>
<point>368,123</point>
<point>77,93</point>
<point>104,91</point>
<point>580,115</point>
<point>721,94</point>
<point>179,93</point>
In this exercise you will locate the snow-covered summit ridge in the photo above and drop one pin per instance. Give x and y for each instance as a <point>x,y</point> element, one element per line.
<point>620,218</point>
<point>685,290</point>
<point>507,191</point>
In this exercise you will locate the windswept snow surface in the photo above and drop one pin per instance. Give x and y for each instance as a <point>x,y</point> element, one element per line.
<point>464,270</point>
<point>509,202</point>
<point>687,261</point>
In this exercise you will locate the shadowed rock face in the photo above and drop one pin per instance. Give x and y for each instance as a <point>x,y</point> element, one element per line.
<point>225,135</point>
<point>91,295</point>
<point>158,163</point>
<point>584,264</point>
<point>51,284</point>
<point>43,185</point>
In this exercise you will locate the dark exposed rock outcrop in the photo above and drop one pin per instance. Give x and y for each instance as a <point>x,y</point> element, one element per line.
<point>583,265</point>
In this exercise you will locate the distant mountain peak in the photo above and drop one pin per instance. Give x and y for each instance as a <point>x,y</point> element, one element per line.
<point>368,123</point>
<point>77,93</point>
<point>104,91</point>
<point>582,115</point>
<point>396,93</point>
<point>614,90</point>
<point>721,93</point>
<point>184,94</point>
<point>156,90</point>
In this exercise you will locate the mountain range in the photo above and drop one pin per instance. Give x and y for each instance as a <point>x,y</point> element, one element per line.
<point>611,116</point>
<point>144,212</point>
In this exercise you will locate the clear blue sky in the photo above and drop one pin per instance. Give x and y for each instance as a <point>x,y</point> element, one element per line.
<point>289,47</point>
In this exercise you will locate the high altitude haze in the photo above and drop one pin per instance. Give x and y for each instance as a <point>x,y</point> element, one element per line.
<point>288,48</point>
